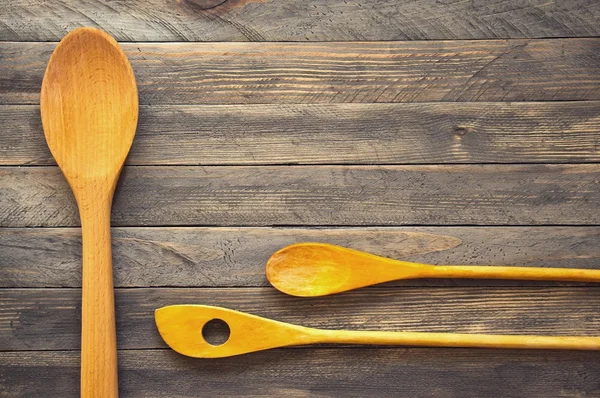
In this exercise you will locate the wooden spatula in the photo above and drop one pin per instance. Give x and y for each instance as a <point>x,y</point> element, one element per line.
<point>181,328</point>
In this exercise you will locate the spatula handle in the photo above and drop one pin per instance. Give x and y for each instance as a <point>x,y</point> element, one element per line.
<point>461,340</point>
<point>98,335</point>
<point>515,273</point>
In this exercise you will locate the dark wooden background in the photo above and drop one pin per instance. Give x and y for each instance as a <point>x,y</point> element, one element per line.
<point>435,131</point>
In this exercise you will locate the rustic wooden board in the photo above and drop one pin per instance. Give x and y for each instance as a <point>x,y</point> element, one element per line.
<point>335,372</point>
<point>219,257</point>
<point>26,314</point>
<point>446,138</point>
<point>353,72</point>
<point>299,20</point>
<point>318,195</point>
<point>538,132</point>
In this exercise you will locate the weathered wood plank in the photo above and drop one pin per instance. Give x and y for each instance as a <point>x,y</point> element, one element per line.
<point>219,257</point>
<point>551,132</point>
<point>353,72</point>
<point>335,372</point>
<point>300,20</point>
<point>49,319</point>
<point>317,195</point>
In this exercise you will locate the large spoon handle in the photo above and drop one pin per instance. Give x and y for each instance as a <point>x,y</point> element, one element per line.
<point>459,340</point>
<point>515,273</point>
<point>98,335</point>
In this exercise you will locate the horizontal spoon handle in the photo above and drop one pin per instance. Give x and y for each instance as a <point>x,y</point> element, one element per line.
<point>314,269</point>
<point>458,340</point>
<point>516,273</point>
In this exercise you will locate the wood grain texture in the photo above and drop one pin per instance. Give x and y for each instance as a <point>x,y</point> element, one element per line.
<point>353,72</point>
<point>298,20</point>
<point>54,313</point>
<point>381,372</point>
<point>220,257</point>
<point>529,132</point>
<point>318,195</point>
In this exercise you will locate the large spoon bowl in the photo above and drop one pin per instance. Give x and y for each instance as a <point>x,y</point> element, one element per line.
<point>89,108</point>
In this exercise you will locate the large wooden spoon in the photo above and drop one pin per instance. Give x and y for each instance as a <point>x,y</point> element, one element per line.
<point>318,269</point>
<point>181,328</point>
<point>89,107</point>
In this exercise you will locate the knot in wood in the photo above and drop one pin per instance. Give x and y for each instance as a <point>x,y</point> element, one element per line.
<point>206,4</point>
<point>460,131</point>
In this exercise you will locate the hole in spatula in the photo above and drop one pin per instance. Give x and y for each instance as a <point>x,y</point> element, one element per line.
<point>216,332</point>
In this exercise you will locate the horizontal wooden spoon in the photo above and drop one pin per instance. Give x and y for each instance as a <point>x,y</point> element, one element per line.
<point>319,269</point>
<point>181,328</point>
<point>89,107</point>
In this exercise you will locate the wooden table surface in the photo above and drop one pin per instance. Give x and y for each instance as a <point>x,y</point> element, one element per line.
<point>448,132</point>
